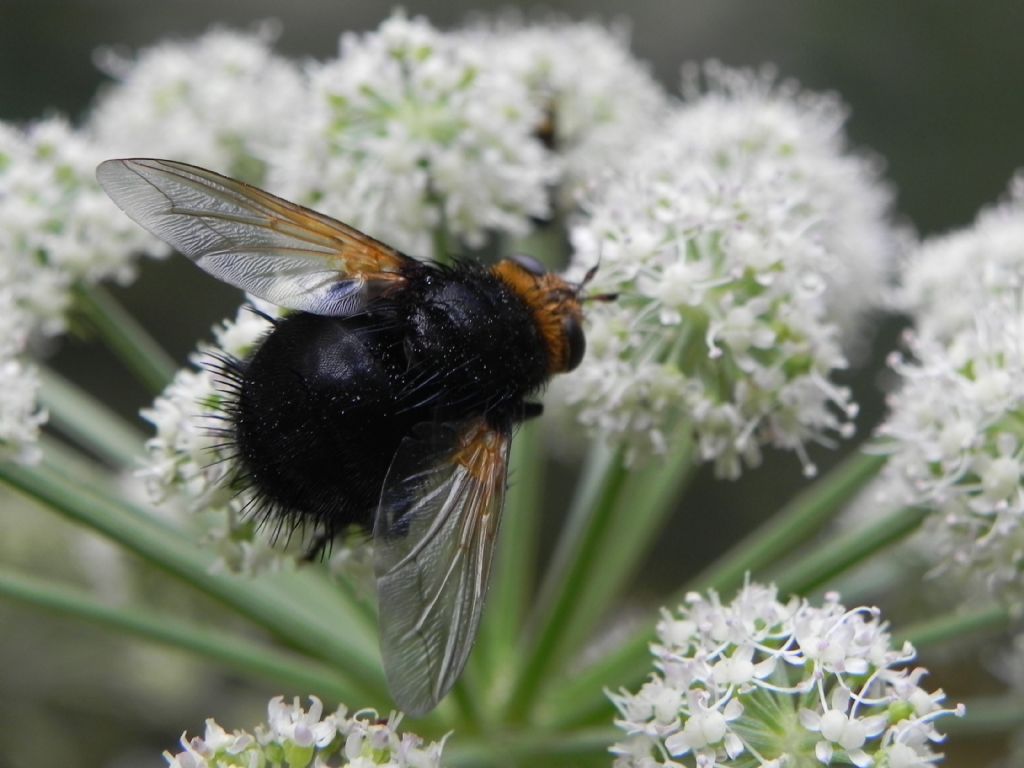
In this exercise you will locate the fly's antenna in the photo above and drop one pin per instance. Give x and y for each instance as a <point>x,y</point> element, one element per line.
<point>590,274</point>
<point>586,279</point>
<point>599,297</point>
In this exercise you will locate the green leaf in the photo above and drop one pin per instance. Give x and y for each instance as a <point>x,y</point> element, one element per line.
<point>332,629</point>
<point>532,747</point>
<point>125,337</point>
<point>575,559</point>
<point>89,422</point>
<point>581,699</point>
<point>843,552</point>
<point>796,522</point>
<point>960,624</point>
<point>298,674</point>
<point>513,586</point>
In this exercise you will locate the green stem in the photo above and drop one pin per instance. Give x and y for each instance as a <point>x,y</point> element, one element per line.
<point>123,334</point>
<point>642,505</point>
<point>440,240</point>
<point>529,747</point>
<point>575,559</point>
<point>320,592</point>
<point>988,619</point>
<point>77,467</point>
<point>273,602</point>
<point>581,700</point>
<point>845,551</point>
<point>466,706</point>
<point>796,522</point>
<point>300,675</point>
<point>514,571</point>
<point>89,422</point>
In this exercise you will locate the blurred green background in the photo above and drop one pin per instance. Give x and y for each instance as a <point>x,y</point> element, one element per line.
<point>936,90</point>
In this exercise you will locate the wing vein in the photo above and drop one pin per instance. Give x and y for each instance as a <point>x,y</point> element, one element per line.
<point>435,526</point>
<point>279,251</point>
<point>432,575</point>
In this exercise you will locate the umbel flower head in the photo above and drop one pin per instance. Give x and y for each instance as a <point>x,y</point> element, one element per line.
<point>221,101</point>
<point>759,682</point>
<point>417,136</point>
<point>596,99</point>
<point>20,416</point>
<point>727,240</point>
<point>57,229</point>
<point>956,444</point>
<point>293,736</point>
<point>56,225</point>
<point>741,112</point>
<point>953,432</point>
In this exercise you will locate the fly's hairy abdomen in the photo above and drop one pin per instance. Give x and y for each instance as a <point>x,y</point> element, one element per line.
<point>324,402</point>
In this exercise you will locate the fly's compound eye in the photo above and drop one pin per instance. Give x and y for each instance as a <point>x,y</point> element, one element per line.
<point>575,341</point>
<point>529,263</point>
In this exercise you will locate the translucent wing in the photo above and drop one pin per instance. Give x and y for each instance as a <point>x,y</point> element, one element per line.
<point>284,253</point>
<point>434,540</point>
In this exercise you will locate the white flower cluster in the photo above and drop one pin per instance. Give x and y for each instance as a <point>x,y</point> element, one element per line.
<point>596,99</point>
<point>728,241</point>
<point>189,457</point>
<point>57,229</point>
<point>956,444</point>
<point>954,432</point>
<point>57,226</point>
<point>804,132</point>
<point>20,416</point>
<point>296,737</point>
<point>223,101</point>
<point>772,684</point>
<point>416,136</point>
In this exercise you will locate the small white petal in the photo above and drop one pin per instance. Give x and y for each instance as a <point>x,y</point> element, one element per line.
<point>823,751</point>
<point>833,725</point>
<point>678,744</point>
<point>733,746</point>
<point>810,720</point>
<point>860,758</point>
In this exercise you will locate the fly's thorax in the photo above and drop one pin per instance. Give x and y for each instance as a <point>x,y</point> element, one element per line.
<point>555,310</point>
<point>475,333</point>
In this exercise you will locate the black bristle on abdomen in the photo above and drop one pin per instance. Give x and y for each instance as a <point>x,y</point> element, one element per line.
<point>229,374</point>
<point>312,425</point>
